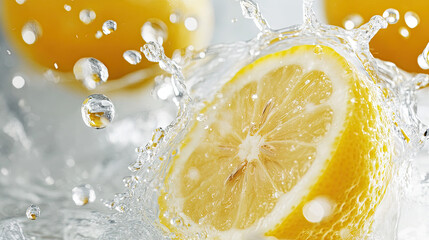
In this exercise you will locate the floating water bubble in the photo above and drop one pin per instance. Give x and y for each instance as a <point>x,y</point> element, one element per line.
<point>423,59</point>
<point>234,20</point>
<point>109,26</point>
<point>33,212</point>
<point>18,82</point>
<point>403,31</point>
<point>55,65</point>
<point>191,23</point>
<point>154,30</point>
<point>83,194</point>
<point>87,16</point>
<point>174,17</point>
<point>98,34</point>
<point>67,7</point>
<point>391,15</point>
<point>412,19</point>
<point>132,57</point>
<point>91,72</point>
<point>4,171</point>
<point>352,21</point>
<point>153,51</point>
<point>97,111</point>
<point>30,32</point>
<point>49,180</point>
<point>317,209</point>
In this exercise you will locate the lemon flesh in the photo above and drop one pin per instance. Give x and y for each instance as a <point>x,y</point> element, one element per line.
<point>296,147</point>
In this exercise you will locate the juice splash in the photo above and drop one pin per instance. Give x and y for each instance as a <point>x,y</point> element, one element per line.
<point>153,164</point>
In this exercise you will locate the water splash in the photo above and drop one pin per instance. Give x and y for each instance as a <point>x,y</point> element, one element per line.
<point>154,30</point>
<point>423,59</point>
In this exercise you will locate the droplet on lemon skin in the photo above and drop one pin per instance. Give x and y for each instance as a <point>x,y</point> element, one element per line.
<point>389,44</point>
<point>66,39</point>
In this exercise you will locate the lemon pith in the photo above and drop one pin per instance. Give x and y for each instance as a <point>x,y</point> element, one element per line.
<point>293,130</point>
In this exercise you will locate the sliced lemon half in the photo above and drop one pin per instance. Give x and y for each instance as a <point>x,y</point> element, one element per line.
<point>295,146</point>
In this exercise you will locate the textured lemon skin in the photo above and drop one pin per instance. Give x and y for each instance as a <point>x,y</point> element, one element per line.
<point>356,177</point>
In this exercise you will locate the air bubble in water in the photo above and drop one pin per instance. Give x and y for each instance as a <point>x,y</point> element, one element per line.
<point>412,19</point>
<point>83,194</point>
<point>132,57</point>
<point>352,21</point>
<point>153,51</point>
<point>154,30</point>
<point>33,212</point>
<point>391,15</point>
<point>87,16</point>
<point>317,209</point>
<point>404,32</point>
<point>97,111</point>
<point>67,7</point>
<point>91,72</point>
<point>423,59</point>
<point>191,23</point>
<point>109,26</point>
<point>98,34</point>
<point>174,17</point>
<point>31,32</point>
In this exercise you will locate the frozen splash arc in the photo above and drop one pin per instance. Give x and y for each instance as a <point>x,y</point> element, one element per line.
<point>206,72</point>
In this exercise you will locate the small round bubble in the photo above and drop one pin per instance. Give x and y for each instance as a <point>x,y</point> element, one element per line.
<point>97,111</point>
<point>30,32</point>
<point>33,212</point>
<point>91,72</point>
<point>352,21</point>
<point>87,16</point>
<point>132,57</point>
<point>83,194</point>
<point>109,26</point>
<point>391,15</point>
<point>191,24</point>
<point>411,19</point>
<point>154,30</point>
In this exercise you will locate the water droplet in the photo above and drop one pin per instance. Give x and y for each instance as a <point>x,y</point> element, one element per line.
<point>132,57</point>
<point>174,17</point>
<point>254,97</point>
<point>404,32</point>
<point>234,20</point>
<point>83,195</point>
<point>4,171</point>
<point>201,117</point>
<point>154,30</point>
<point>31,32</point>
<point>391,15</point>
<point>177,221</point>
<point>67,7</point>
<point>97,111</point>
<point>317,209</point>
<point>55,65</point>
<point>98,34</point>
<point>87,16</point>
<point>352,21</point>
<point>412,19</point>
<point>8,52</point>
<point>109,26</point>
<point>153,51</point>
<point>18,82</point>
<point>164,91</point>
<point>91,72</point>
<point>249,9</point>
<point>191,23</point>
<point>423,59</point>
<point>20,2</point>
<point>33,212</point>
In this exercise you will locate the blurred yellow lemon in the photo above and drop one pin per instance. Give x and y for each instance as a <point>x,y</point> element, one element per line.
<point>297,147</point>
<point>400,43</point>
<point>57,33</point>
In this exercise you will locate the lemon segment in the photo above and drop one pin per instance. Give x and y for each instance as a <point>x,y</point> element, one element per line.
<point>297,147</point>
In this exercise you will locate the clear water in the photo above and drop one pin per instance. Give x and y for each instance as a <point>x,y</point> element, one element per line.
<point>202,74</point>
